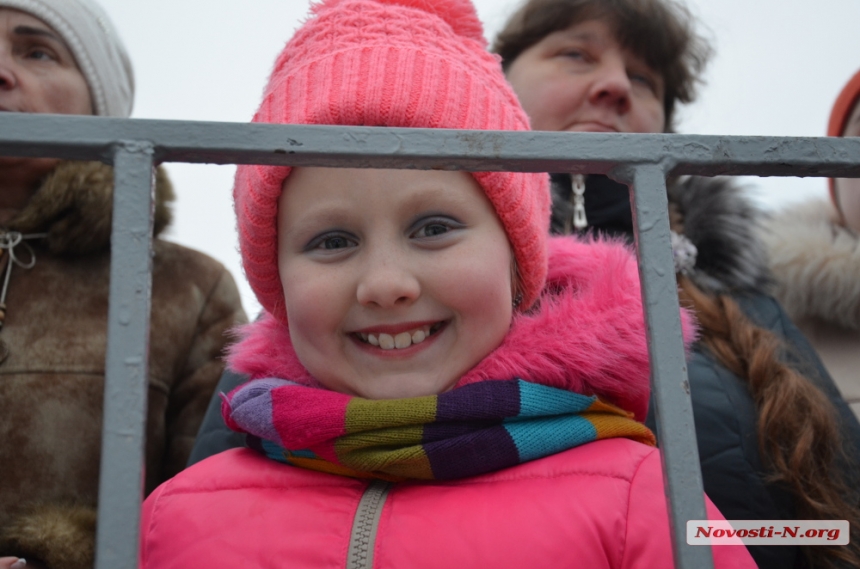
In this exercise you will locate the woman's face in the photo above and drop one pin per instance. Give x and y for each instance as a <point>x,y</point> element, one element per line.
<point>38,73</point>
<point>581,79</point>
<point>396,282</point>
<point>848,189</point>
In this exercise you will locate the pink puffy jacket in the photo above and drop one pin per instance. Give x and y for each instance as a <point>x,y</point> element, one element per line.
<point>599,505</point>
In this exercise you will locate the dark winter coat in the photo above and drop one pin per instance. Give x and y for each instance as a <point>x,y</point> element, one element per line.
<point>53,362</point>
<point>720,222</point>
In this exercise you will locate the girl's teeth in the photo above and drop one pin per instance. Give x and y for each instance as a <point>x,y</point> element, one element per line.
<point>386,342</point>
<point>401,340</point>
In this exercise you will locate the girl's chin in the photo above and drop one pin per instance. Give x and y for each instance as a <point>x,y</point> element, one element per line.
<point>399,382</point>
<point>403,388</point>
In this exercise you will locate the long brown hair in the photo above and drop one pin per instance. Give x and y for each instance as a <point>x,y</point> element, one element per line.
<point>798,430</point>
<point>659,31</point>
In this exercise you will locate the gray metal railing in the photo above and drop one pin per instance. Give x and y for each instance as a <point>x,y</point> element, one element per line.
<point>641,161</point>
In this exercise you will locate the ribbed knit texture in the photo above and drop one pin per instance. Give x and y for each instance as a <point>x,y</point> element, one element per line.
<point>471,430</point>
<point>408,63</point>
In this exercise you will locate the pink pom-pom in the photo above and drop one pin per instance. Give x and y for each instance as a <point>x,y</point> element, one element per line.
<point>459,14</point>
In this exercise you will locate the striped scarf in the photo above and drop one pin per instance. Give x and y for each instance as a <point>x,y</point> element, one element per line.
<point>471,430</point>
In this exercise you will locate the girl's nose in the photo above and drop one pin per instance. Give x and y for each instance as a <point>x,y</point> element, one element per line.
<point>611,86</point>
<point>387,281</point>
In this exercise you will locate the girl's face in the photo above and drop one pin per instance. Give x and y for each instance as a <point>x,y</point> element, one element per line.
<point>396,282</point>
<point>848,189</point>
<point>581,79</point>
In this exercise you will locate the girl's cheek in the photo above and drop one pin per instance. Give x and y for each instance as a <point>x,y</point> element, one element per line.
<point>312,300</point>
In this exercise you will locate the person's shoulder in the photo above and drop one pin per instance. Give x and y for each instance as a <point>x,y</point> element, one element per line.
<point>170,252</point>
<point>245,469</point>
<point>177,267</point>
<point>236,503</point>
<point>815,264</point>
<point>813,215</point>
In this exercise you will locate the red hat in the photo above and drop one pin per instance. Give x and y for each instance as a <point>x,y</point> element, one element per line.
<point>398,63</point>
<point>840,114</point>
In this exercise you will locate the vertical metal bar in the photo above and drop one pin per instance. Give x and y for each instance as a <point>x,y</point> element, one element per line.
<point>125,396</point>
<point>670,387</point>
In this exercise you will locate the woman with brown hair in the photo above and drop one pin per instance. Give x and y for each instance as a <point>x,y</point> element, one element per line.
<point>775,437</point>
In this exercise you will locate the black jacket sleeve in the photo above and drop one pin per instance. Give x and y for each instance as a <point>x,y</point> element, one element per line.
<point>214,436</point>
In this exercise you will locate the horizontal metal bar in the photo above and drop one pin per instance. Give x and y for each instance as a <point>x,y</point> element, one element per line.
<point>93,138</point>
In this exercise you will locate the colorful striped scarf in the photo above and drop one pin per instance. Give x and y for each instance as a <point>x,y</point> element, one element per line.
<point>467,431</point>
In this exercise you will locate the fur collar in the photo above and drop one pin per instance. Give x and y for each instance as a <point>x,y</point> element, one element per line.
<point>816,263</point>
<point>587,335</point>
<point>74,205</point>
<point>723,224</point>
<point>715,214</point>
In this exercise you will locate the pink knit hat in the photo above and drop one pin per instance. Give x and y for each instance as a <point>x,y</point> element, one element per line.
<point>396,63</point>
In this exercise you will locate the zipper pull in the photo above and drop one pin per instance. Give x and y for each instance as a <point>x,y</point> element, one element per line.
<point>577,181</point>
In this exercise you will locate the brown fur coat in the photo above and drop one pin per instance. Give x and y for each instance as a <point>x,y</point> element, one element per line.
<point>52,377</point>
<point>816,264</point>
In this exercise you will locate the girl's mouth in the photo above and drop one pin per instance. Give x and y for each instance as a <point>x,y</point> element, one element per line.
<point>402,340</point>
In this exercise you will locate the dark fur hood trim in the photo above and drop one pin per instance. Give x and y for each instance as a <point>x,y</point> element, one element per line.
<point>74,206</point>
<point>716,215</point>
<point>724,225</point>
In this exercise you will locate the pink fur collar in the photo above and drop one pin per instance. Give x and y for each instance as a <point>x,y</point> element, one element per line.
<point>587,336</point>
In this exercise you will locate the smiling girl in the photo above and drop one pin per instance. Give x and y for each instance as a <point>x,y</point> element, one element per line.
<point>435,383</point>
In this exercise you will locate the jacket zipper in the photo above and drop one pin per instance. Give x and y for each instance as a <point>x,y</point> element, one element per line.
<point>363,537</point>
<point>578,220</point>
<point>577,196</point>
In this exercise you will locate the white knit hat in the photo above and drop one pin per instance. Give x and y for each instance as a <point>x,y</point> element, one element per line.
<point>95,45</point>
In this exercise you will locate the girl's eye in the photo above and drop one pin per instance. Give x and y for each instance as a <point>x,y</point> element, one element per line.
<point>432,230</point>
<point>335,242</point>
<point>434,227</point>
<point>331,242</point>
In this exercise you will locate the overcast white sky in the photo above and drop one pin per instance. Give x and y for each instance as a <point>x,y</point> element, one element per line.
<point>778,67</point>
